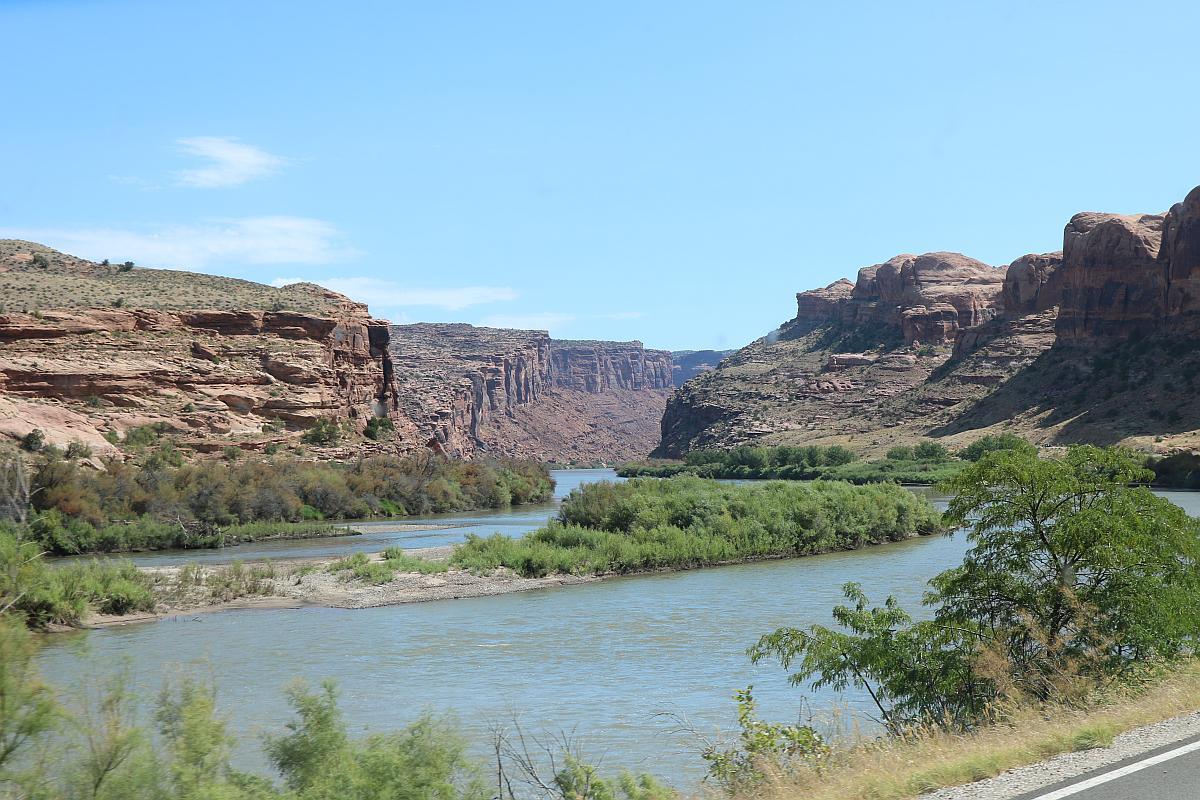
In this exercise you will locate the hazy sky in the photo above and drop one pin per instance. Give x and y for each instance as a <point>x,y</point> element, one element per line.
<point>667,171</point>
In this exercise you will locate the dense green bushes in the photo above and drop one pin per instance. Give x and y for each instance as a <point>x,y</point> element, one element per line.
<point>688,522</point>
<point>927,463</point>
<point>43,595</point>
<point>158,501</point>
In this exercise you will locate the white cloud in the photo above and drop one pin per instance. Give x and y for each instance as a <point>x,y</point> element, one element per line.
<point>544,321</point>
<point>248,240</point>
<point>384,293</point>
<point>231,162</point>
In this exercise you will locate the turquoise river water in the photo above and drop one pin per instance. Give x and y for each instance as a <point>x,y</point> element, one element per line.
<point>603,659</point>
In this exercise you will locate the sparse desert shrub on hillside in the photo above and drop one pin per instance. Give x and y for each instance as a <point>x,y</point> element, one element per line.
<point>34,441</point>
<point>324,431</point>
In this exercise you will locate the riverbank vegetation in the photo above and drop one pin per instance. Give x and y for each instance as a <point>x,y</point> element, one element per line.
<point>158,500</point>
<point>686,522</point>
<point>926,463</point>
<point>1080,589</point>
<point>41,596</point>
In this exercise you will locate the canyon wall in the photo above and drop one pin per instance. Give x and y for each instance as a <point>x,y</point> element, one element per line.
<point>473,390</point>
<point>213,376</point>
<point>1096,342</point>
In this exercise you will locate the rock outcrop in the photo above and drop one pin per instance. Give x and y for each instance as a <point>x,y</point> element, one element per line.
<point>927,298</point>
<point>1033,283</point>
<point>204,373</point>
<point>1093,343</point>
<point>822,306</point>
<point>474,390</point>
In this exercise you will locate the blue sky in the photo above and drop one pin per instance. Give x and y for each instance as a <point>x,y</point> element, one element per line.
<point>667,171</point>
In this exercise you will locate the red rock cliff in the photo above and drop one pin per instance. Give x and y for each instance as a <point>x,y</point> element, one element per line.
<point>79,373</point>
<point>487,390</point>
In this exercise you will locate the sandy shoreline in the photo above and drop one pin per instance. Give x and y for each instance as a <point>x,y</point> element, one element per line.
<point>308,582</point>
<point>187,590</point>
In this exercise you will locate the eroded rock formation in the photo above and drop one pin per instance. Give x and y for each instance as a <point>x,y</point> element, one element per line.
<point>520,393</point>
<point>79,374</point>
<point>1093,343</point>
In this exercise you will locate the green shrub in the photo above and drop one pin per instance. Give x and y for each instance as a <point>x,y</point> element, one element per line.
<point>324,431</point>
<point>993,443</point>
<point>685,522</point>
<point>34,441</point>
<point>378,428</point>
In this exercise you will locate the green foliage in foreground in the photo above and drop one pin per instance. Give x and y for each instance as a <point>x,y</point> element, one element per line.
<point>685,522</point>
<point>927,463</point>
<point>157,501</point>
<point>44,595</point>
<point>1076,577</point>
<point>100,753</point>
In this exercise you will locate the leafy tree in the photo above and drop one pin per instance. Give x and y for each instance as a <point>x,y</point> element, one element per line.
<point>931,451</point>
<point>378,428</point>
<point>324,431</point>
<point>837,455</point>
<point>1071,563</point>
<point>77,450</point>
<point>1076,576</point>
<point>900,453</point>
<point>993,443</point>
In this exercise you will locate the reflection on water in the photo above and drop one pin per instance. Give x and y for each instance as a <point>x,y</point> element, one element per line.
<point>601,658</point>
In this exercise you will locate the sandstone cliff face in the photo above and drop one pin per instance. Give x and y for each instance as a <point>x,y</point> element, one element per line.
<point>596,367</point>
<point>207,373</point>
<point>1033,283</point>
<point>929,298</point>
<point>1093,343</point>
<point>474,390</point>
<point>822,306</point>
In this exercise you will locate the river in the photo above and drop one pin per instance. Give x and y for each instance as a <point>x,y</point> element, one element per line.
<point>602,659</point>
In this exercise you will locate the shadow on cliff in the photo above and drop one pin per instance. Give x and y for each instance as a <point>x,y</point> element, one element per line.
<point>1096,395</point>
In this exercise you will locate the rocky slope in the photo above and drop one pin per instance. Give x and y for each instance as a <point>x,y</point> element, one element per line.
<point>1093,343</point>
<point>89,351</point>
<point>518,393</point>
<point>215,376</point>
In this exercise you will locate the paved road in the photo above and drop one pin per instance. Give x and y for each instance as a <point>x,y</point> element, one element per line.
<point>1168,773</point>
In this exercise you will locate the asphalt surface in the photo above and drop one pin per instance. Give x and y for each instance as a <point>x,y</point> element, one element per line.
<point>1177,778</point>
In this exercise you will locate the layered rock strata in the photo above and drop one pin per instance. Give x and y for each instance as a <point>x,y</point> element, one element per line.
<point>473,390</point>
<point>1092,343</point>
<point>80,374</point>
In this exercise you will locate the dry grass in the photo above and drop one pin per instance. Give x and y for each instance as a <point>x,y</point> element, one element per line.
<point>896,769</point>
<point>69,282</point>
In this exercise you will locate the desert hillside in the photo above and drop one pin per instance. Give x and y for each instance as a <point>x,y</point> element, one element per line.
<point>89,351</point>
<point>1094,343</point>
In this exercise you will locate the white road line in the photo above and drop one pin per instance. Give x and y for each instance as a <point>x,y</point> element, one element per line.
<point>1119,773</point>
